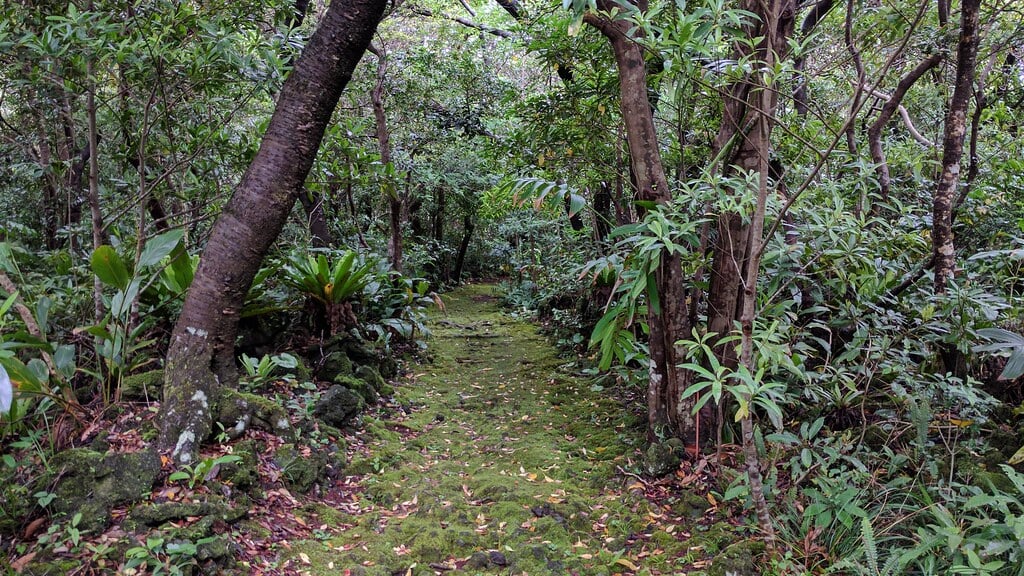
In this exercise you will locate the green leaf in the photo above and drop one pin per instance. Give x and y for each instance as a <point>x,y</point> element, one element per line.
<point>19,376</point>
<point>1017,457</point>
<point>8,303</point>
<point>109,268</point>
<point>159,247</point>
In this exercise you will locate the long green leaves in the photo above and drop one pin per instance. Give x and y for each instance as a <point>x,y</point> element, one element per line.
<point>330,284</point>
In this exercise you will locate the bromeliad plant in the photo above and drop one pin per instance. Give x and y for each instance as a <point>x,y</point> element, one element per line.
<point>332,288</point>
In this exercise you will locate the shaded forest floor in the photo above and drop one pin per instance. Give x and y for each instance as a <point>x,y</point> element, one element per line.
<point>507,463</point>
<point>493,456</point>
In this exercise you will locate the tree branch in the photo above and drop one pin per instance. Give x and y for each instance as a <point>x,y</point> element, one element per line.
<point>460,20</point>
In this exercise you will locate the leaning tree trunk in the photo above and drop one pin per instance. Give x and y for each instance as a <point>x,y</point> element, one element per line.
<point>201,355</point>
<point>953,146</point>
<point>666,411</point>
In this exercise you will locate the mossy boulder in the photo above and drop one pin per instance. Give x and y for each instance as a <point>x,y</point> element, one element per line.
<point>338,406</point>
<point>238,411</point>
<point>146,386</point>
<point>301,467</point>
<point>739,559</point>
<point>91,483</point>
<point>357,350</point>
<point>361,387</point>
<point>373,377</point>
<point>661,459</point>
<point>214,550</point>
<point>335,364</point>
<point>388,367</point>
<point>690,505</point>
<point>242,474</point>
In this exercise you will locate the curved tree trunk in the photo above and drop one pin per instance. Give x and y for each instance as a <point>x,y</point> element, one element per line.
<point>201,355</point>
<point>666,412</point>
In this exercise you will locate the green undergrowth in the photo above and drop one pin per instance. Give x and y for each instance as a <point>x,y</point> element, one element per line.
<point>507,454</point>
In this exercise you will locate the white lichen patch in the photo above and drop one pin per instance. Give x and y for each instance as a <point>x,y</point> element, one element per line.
<point>185,440</point>
<point>241,425</point>
<point>283,424</point>
<point>200,397</point>
<point>199,332</point>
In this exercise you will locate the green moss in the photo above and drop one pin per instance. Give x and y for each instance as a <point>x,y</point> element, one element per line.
<point>146,386</point>
<point>739,559</point>
<point>361,387</point>
<point>91,483</point>
<point>240,410</point>
<point>514,453</point>
<point>300,471</point>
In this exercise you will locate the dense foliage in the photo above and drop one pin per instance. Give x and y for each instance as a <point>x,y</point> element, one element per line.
<point>880,391</point>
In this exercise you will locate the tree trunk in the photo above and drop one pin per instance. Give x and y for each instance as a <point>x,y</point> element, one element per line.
<point>94,190</point>
<point>953,146</point>
<point>890,108</point>
<point>394,198</point>
<point>816,15</point>
<point>316,221</point>
<point>739,144</point>
<point>666,412</point>
<point>460,257</point>
<point>201,355</point>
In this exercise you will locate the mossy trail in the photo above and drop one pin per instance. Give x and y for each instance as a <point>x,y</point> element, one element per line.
<point>507,464</point>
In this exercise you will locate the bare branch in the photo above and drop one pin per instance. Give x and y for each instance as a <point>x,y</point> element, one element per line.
<point>467,23</point>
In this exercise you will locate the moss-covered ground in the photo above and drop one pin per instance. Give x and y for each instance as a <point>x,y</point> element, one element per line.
<point>507,463</point>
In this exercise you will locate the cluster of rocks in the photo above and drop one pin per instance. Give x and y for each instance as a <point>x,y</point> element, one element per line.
<point>88,483</point>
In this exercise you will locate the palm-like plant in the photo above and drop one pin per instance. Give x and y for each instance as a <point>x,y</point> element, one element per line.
<point>332,287</point>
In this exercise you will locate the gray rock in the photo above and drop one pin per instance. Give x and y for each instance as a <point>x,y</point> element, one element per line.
<point>660,459</point>
<point>338,406</point>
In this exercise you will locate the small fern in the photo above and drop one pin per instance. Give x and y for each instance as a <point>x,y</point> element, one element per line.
<point>867,533</point>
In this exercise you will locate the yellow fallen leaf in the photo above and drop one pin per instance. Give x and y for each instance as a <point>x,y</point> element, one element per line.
<point>304,558</point>
<point>627,564</point>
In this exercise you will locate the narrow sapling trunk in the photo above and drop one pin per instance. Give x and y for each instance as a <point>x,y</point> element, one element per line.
<point>94,190</point>
<point>394,198</point>
<point>953,147</point>
<point>201,357</point>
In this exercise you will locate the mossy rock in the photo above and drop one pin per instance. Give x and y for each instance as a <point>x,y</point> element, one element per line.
<point>357,350</point>
<point>993,481</point>
<point>739,559</point>
<point>242,474</point>
<point>156,514</point>
<point>238,411</point>
<point>360,386</point>
<point>335,364</point>
<point>661,459</point>
<point>92,483</point>
<point>300,472</point>
<point>146,386</point>
<point>388,368</point>
<point>371,376</point>
<point>690,505</point>
<point>339,406</point>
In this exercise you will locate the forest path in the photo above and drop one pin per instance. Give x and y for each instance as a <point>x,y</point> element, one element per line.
<point>508,464</point>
